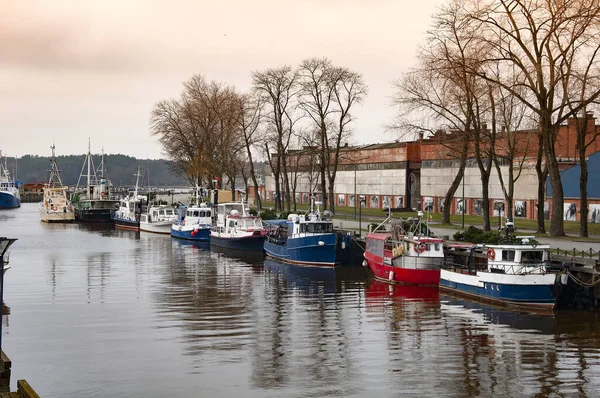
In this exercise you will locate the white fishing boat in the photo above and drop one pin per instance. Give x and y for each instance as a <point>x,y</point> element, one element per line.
<point>237,229</point>
<point>127,216</point>
<point>55,206</point>
<point>193,222</point>
<point>158,219</point>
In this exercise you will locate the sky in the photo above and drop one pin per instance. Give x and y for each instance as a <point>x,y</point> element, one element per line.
<point>77,69</point>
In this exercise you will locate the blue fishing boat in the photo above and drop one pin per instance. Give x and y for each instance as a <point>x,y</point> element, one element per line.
<point>127,216</point>
<point>514,274</point>
<point>9,190</point>
<point>193,222</point>
<point>308,239</point>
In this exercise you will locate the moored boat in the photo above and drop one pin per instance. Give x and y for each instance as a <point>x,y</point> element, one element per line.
<point>127,216</point>
<point>193,222</point>
<point>515,274</point>
<point>158,219</point>
<point>237,229</point>
<point>398,256</point>
<point>55,206</point>
<point>10,197</point>
<point>308,239</point>
<point>96,202</point>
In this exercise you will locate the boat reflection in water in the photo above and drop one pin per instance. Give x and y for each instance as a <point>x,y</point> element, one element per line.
<point>402,292</point>
<point>255,258</point>
<point>192,244</point>
<point>314,278</point>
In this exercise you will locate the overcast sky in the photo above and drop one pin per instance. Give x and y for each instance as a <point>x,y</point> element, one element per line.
<point>73,69</point>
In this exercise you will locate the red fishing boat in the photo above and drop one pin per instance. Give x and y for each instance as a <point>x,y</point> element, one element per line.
<point>397,256</point>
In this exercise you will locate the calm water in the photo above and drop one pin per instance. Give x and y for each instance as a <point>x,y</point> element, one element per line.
<point>108,313</point>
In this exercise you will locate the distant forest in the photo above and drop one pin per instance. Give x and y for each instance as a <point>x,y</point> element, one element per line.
<point>120,169</point>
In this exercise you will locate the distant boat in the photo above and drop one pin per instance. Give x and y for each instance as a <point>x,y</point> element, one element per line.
<point>514,274</point>
<point>237,229</point>
<point>55,206</point>
<point>193,222</point>
<point>158,219</point>
<point>127,216</point>
<point>96,202</point>
<point>399,256</point>
<point>308,239</point>
<point>10,197</point>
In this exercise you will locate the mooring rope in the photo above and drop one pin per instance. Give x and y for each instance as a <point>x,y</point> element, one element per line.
<point>582,283</point>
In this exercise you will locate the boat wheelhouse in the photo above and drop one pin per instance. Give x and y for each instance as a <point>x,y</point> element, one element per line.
<point>127,216</point>
<point>10,198</point>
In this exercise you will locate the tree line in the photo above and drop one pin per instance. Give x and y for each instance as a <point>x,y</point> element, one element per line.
<point>120,170</point>
<point>490,69</point>
<point>213,130</point>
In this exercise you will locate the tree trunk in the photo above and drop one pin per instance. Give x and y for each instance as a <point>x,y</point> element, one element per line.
<point>331,197</point>
<point>556,221</point>
<point>453,187</point>
<point>542,173</point>
<point>485,185</point>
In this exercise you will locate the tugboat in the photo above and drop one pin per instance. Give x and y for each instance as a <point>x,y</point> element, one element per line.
<point>308,239</point>
<point>515,274</point>
<point>237,229</point>
<point>193,222</point>
<point>412,257</point>
<point>55,207</point>
<point>96,203</point>
<point>9,191</point>
<point>127,216</point>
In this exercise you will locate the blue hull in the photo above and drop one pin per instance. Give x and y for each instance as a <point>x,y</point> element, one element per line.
<point>251,243</point>
<point>535,296</point>
<point>307,250</point>
<point>126,224</point>
<point>8,201</point>
<point>203,235</point>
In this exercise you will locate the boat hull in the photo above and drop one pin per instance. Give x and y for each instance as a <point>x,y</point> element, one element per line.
<point>391,274</point>
<point>9,201</point>
<point>56,217</point>
<point>530,291</point>
<point>200,234</point>
<point>252,243</point>
<point>156,227</point>
<point>320,250</point>
<point>132,225</point>
<point>93,215</point>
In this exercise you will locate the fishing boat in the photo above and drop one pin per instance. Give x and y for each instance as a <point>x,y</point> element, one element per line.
<point>127,216</point>
<point>193,222</point>
<point>158,219</point>
<point>237,229</point>
<point>9,190</point>
<point>95,202</point>
<point>399,256</point>
<point>308,239</point>
<point>55,206</point>
<point>515,274</point>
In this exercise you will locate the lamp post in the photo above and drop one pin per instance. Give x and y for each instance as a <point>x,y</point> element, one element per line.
<point>360,217</point>
<point>463,200</point>
<point>4,245</point>
<point>355,190</point>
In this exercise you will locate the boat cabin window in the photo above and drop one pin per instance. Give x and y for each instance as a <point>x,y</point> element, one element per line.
<point>231,223</point>
<point>318,227</point>
<point>375,246</point>
<point>532,256</point>
<point>508,255</point>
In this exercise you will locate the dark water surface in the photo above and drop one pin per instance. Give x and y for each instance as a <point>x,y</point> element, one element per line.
<point>98,312</point>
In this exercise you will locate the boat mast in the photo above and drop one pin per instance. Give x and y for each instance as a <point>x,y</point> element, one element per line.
<point>54,172</point>
<point>137,180</point>
<point>88,167</point>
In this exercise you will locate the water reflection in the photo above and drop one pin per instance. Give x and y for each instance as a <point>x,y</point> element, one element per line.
<point>248,257</point>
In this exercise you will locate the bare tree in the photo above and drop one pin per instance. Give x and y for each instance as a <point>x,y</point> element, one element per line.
<point>278,88</point>
<point>327,96</point>
<point>548,42</point>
